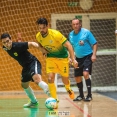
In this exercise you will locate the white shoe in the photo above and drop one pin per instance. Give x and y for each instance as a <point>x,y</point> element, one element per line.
<point>31,105</point>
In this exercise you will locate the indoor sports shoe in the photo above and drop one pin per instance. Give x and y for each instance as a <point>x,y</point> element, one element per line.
<point>71,94</point>
<point>88,98</point>
<point>31,105</point>
<point>78,98</point>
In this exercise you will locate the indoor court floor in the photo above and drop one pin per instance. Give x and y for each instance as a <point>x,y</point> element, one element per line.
<point>11,105</point>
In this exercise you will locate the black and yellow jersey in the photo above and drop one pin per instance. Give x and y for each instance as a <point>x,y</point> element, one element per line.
<point>20,53</point>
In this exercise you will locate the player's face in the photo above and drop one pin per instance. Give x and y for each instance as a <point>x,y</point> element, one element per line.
<point>43,29</point>
<point>7,43</point>
<point>76,25</point>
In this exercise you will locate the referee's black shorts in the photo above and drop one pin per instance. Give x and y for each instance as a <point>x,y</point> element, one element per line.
<point>85,64</point>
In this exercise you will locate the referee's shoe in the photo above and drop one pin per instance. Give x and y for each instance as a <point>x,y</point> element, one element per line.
<point>88,98</point>
<point>79,98</point>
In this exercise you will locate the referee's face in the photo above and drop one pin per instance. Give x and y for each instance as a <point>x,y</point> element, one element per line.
<point>43,29</point>
<point>76,25</point>
<point>7,43</point>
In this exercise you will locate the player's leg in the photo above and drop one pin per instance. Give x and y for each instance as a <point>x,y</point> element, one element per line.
<point>28,73</point>
<point>64,71</point>
<point>35,72</point>
<point>28,90</point>
<point>51,69</point>
<point>51,85</point>
<point>86,72</point>
<point>66,82</point>
<point>38,80</point>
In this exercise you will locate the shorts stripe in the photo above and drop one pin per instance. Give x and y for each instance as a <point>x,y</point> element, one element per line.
<point>36,67</point>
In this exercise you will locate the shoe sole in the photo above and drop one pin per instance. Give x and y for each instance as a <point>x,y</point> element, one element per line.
<point>78,100</point>
<point>32,107</point>
<point>88,100</point>
<point>36,106</point>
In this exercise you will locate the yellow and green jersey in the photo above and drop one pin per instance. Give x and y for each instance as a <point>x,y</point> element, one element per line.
<point>53,42</point>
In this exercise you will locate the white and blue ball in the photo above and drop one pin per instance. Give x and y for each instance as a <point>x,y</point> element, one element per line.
<point>51,103</point>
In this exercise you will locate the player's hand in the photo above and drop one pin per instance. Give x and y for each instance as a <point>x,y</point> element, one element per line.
<point>45,54</point>
<point>44,51</point>
<point>70,61</point>
<point>75,64</point>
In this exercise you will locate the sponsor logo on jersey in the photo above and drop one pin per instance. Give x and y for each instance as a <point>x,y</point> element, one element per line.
<point>15,54</point>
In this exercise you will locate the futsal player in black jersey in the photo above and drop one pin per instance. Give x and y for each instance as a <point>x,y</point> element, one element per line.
<point>31,66</point>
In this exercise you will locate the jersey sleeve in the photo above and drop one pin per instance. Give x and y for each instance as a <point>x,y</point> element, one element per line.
<point>92,39</point>
<point>22,46</point>
<point>60,38</point>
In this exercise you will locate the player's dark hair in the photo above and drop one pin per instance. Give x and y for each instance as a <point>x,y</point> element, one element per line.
<point>42,21</point>
<point>5,35</point>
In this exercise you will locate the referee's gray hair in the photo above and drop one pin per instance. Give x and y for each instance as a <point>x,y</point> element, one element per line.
<point>77,19</point>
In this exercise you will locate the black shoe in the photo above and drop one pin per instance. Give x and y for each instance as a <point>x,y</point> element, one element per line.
<point>88,98</point>
<point>79,98</point>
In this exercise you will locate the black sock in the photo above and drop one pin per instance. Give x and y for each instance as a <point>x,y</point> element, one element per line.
<point>88,83</point>
<point>80,87</point>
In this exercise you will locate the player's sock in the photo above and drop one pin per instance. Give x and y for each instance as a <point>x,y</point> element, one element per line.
<point>69,90</point>
<point>30,94</point>
<point>68,86</point>
<point>44,86</point>
<point>52,89</point>
<point>88,83</point>
<point>80,88</point>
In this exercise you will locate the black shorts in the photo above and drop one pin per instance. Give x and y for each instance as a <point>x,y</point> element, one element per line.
<point>85,64</point>
<point>31,69</point>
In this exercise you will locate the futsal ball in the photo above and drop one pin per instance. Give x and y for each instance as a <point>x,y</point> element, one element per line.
<point>51,103</point>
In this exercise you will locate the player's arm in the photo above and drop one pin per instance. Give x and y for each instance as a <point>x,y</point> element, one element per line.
<point>33,44</point>
<point>71,53</point>
<point>38,46</point>
<point>42,49</point>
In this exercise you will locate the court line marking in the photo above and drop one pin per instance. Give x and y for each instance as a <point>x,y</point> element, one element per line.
<point>78,107</point>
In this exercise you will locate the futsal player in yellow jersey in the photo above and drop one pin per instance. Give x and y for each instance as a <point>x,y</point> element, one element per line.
<point>57,57</point>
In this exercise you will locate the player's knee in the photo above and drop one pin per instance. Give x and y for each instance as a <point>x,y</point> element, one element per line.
<point>51,80</point>
<point>37,80</point>
<point>25,85</point>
